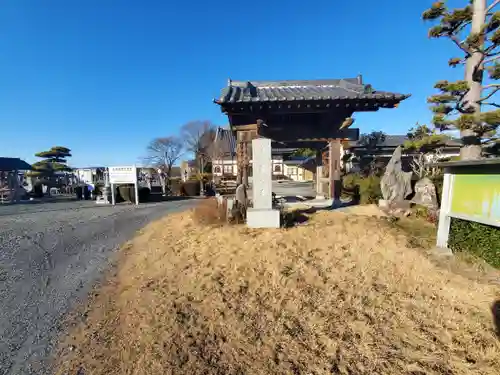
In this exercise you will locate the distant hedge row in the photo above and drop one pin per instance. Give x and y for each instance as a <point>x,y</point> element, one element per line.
<point>475,238</point>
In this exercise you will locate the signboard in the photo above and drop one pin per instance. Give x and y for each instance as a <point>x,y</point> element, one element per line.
<point>85,175</point>
<point>471,191</point>
<point>476,197</point>
<point>123,175</point>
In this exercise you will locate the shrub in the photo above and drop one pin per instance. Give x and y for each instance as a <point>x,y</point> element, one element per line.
<point>369,189</point>
<point>78,192</point>
<point>144,194</point>
<point>438,183</point>
<point>424,213</point>
<point>86,192</point>
<point>209,212</point>
<point>175,187</point>
<point>478,239</point>
<point>350,186</point>
<point>190,188</point>
<point>365,189</point>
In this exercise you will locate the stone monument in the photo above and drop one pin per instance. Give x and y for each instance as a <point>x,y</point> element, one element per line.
<point>240,203</point>
<point>262,214</point>
<point>105,197</point>
<point>395,184</point>
<point>425,194</point>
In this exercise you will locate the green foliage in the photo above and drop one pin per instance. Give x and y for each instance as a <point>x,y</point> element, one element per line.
<point>369,189</point>
<point>306,152</point>
<point>423,139</point>
<point>479,239</point>
<point>350,186</point>
<point>54,161</point>
<point>365,188</point>
<point>371,140</point>
<point>454,106</point>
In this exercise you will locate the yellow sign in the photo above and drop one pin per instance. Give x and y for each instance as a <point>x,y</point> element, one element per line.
<point>477,196</point>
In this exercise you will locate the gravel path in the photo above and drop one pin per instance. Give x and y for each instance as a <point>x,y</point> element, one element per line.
<point>50,256</point>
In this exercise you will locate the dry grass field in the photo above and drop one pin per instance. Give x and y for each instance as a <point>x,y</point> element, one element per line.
<point>341,294</point>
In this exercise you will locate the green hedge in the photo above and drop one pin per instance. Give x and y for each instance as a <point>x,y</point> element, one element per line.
<point>475,238</point>
<point>365,189</point>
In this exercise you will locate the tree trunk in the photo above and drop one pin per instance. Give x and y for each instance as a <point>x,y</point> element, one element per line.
<point>471,150</point>
<point>202,168</point>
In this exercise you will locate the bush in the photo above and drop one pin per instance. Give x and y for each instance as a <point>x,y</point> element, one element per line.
<point>78,192</point>
<point>175,187</point>
<point>478,239</point>
<point>190,188</point>
<point>350,186</point>
<point>144,194</point>
<point>438,183</point>
<point>365,189</point>
<point>369,189</point>
<point>423,212</point>
<point>86,193</point>
<point>38,190</point>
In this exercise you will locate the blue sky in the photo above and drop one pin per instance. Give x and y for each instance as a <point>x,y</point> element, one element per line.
<point>103,77</point>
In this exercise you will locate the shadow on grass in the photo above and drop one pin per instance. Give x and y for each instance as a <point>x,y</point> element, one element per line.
<point>495,309</point>
<point>297,217</point>
<point>419,233</point>
<point>294,198</point>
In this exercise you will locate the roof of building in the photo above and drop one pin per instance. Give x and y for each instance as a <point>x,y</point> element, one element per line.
<point>393,141</point>
<point>93,167</point>
<point>12,164</point>
<point>297,90</point>
<point>296,160</point>
<point>224,142</point>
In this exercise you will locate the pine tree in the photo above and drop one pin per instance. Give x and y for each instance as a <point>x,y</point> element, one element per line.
<point>467,105</point>
<point>54,161</point>
<point>305,152</point>
<point>423,139</point>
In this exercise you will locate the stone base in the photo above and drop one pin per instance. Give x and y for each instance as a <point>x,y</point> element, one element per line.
<point>402,205</point>
<point>102,200</point>
<point>263,218</point>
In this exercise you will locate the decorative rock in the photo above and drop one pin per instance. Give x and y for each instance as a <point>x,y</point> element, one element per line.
<point>241,194</point>
<point>425,194</point>
<point>395,183</point>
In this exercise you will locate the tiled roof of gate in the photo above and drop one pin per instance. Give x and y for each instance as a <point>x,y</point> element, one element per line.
<point>323,89</point>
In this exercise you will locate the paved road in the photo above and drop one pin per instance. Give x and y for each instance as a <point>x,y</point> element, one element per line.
<point>50,256</point>
<point>293,188</point>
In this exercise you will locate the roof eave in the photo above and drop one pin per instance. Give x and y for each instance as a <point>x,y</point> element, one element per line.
<point>392,97</point>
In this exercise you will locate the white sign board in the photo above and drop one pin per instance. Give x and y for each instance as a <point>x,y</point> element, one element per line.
<point>85,175</point>
<point>123,175</point>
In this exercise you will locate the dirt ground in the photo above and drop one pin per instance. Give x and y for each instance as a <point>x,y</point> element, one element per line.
<point>340,294</point>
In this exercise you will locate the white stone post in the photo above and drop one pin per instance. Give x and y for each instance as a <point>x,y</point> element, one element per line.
<point>262,214</point>
<point>444,211</point>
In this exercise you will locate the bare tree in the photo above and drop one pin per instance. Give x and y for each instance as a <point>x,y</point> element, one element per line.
<point>422,164</point>
<point>164,152</point>
<point>198,137</point>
